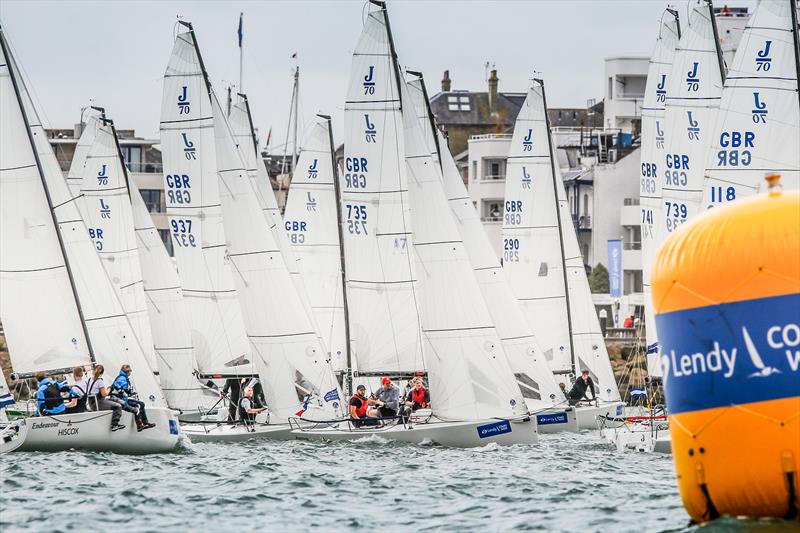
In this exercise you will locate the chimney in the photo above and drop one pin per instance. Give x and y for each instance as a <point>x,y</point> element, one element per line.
<point>446,82</point>
<point>493,92</point>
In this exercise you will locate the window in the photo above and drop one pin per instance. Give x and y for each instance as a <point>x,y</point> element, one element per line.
<point>152,199</point>
<point>474,170</point>
<point>610,88</point>
<point>458,103</point>
<point>464,103</point>
<point>494,169</point>
<point>585,253</point>
<point>585,204</point>
<point>492,210</point>
<point>133,157</point>
<point>167,240</point>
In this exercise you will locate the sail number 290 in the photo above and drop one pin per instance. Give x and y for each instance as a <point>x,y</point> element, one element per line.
<point>182,232</point>
<point>356,216</point>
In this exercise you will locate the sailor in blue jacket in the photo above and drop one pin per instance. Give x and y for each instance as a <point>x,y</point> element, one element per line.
<point>121,390</point>
<point>48,396</point>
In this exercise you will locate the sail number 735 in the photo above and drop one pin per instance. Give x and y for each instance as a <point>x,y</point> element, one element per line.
<point>356,217</point>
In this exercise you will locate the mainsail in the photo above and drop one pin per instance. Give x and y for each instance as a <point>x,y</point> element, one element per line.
<point>693,97</point>
<point>311,226</point>
<point>525,356</point>
<point>541,254</point>
<point>50,272</point>
<point>757,130</point>
<point>171,336</point>
<point>467,365</point>
<point>190,164</point>
<point>381,297</point>
<point>106,210</point>
<point>653,145</point>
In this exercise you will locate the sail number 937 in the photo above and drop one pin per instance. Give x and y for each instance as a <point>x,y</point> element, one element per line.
<point>182,232</point>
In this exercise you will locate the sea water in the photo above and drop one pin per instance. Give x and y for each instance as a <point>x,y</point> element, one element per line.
<point>568,482</point>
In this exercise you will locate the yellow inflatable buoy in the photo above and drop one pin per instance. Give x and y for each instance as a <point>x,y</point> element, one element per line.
<point>726,292</point>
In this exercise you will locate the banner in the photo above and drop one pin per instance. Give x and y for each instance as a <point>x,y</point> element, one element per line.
<point>615,268</point>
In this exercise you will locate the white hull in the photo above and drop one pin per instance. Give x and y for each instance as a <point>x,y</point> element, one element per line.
<point>468,434</point>
<point>587,415</point>
<point>92,431</point>
<point>222,432</point>
<point>650,437</point>
<point>556,420</point>
<point>12,436</point>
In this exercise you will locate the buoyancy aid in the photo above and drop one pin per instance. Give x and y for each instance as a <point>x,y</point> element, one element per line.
<point>361,410</point>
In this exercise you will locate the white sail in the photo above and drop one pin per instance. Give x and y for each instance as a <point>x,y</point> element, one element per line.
<point>106,210</point>
<point>539,234</point>
<point>653,145</point>
<point>111,335</point>
<point>35,286</point>
<point>467,365</point>
<point>190,164</point>
<point>381,298</point>
<point>312,229</point>
<point>290,358</point>
<point>757,130</point>
<point>534,377</point>
<point>172,338</point>
<point>693,97</point>
<point>241,124</point>
<point>85,141</point>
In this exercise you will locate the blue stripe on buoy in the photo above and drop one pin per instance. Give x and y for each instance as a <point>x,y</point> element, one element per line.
<point>731,354</point>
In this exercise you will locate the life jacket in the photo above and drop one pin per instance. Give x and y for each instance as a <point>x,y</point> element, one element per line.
<point>361,410</point>
<point>418,397</point>
<point>48,398</point>
<point>243,414</point>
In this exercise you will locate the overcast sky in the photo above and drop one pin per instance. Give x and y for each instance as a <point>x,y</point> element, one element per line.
<point>115,52</point>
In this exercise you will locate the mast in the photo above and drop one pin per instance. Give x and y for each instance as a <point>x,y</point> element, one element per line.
<point>110,122</point>
<point>720,59</point>
<point>250,121</point>
<point>339,226</point>
<point>560,226</point>
<point>796,38</point>
<point>56,225</point>
<point>296,99</point>
<point>674,13</point>
<point>430,113</point>
<point>396,69</point>
<point>199,57</point>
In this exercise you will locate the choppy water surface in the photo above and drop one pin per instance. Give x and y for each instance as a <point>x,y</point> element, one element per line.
<point>566,483</point>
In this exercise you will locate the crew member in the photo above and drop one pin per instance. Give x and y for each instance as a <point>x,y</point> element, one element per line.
<point>361,411</point>
<point>78,391</point>
<point>99,398</point>
<point>247,408</point>
<point>418,397</point>
<point>582,384</point>
<point>48,396</point>
<point>233,390</point>
<point>388,399</point>
<point>121,390</point>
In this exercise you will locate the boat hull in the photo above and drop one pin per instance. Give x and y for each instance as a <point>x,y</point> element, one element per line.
<point>587,415</point>
<point>468,434</point>
<point>213,432</point>
<point>557,420</point>
<point>92,431</point>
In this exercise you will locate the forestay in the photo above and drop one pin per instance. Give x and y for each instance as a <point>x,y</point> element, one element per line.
<point>466,362</point>
<point>384,326</point>
<point>195,218</point>
<point>39,314</point>
<point>311,226</point>
<point>546,266</point>
<point>653,145</point>
<point>693,97</point>
<point>525,356</point>
<point>167,311</point>
<point>290,359</point>
<point>106,209</point>
<point>757,130</point>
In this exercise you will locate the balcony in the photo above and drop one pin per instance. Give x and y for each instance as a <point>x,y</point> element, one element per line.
<point>630,213</point>
<point>145,168</point>
<point>493,177</point>
<point>582,223</point>
<point>631,256</point>
<point>490,136</point>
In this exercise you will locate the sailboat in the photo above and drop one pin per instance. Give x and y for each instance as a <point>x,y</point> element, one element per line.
<point>653,152</point>
<point>398,224</point>
<point>757,130</point>
<point>692,100</point>
<point>311,227</point>
<point>545,267</point>
<point>285,351</point>
<point>534,377</point>
<point>58,306</point>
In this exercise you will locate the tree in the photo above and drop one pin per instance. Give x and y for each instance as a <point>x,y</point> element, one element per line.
<point>598,280</point>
